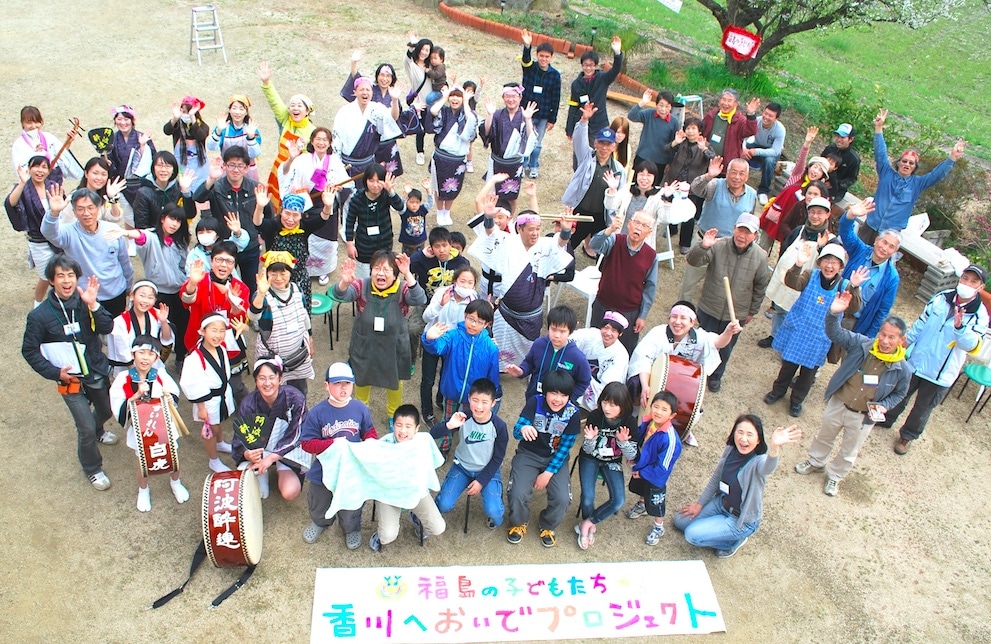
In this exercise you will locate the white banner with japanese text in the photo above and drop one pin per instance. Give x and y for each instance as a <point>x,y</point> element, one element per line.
<point>512,603</point>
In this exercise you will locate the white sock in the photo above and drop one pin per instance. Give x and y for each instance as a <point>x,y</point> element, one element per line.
<point>218,466</point>
<point>179,490</point>
<point>144,499</point>
<point>223,447</point>
<point>263,485</point>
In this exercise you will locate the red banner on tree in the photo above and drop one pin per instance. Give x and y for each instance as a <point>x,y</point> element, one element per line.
<point>740,42</point>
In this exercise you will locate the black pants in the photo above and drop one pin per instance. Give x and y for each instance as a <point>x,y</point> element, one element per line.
<point>587,228</point>
<point>688,227</point>
<point>247,265</point>
<point>800,390</point>
<point>928,398</point>
<point>179,317</point>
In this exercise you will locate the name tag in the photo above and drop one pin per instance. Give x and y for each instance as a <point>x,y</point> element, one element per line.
<point>292,326</point>
<point>607,452</point>
<point>870,379</point>
<point>723,487</point>
<point>537,89</point>
<point>715,138</point>
<point>540,387</point>
<point>70,328</point>
<point>583,98</point>
<point>372,230</point>
<point>379,324</point>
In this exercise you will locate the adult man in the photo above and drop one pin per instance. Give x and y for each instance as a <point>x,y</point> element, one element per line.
<point>938,344</point>
<point>879,291</point>
<point>84,241</point>
<point>898,187</point>
<point>847,172</point>
<point>629,274</point>
<point>508,132</point>
<point>658,131</point>
<point>873,371</point>
<point>591,87</point>
<point>229,190</point>
<point>725,128</point>
<point>745,263</point>
<point>764,149</point>
<point>586,190</point>
<point>725,200</point>
<point>62,343</point>
<point>541,85</point>
<point>607,358</point>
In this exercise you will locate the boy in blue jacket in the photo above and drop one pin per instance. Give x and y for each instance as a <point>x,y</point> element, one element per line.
<point>555,352</point>
<point>659,447</point>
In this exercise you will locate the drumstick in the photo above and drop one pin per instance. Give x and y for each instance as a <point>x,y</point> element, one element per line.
<point>349,180</point>
<point>588,218</point>
<point>68,141</point>
<point>729,298</point>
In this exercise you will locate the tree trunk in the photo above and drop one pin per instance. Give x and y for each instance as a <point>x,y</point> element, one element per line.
<point>741,67</point>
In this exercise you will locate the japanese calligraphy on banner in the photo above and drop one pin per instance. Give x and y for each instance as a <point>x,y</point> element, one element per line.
<point>513,603</point>
<point>741,43</point>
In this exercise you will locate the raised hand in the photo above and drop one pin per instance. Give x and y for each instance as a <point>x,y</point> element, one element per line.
<point>357,55</point>
<point>56,198</point>
<point>882,116</point>
<point>490,106</point>
<point>88,296</point>
<point>23,175</point>
<point>395,93</point>
<point>436,330</point>
<point>458,419</point>
<point>197,271</point>
<point>805,252</point>
<point>840,302</point>
<point>527,38</point>
<point>646,98</point>
<point>785,435</point>
<point>176,110</point>
<point>264,72</point>
<point>861,209</point>
<point>591,432</point>
<point>623,434</point>
<point>611,179</point>
<point>233,222</point>
<point>529,110</point>
<point>186,180</point>
<point>239,325</point>
<point>216,168</point>
<point>715,167</point>
<point>347,271</point>
<point>710,237</point>
<point>113,233</point>
<point>617,44</point>
<point>295,149</point>
<point>115,187</point>
<point>143,139</point>
<point>679,137</point>
<point>222,121</point>
<point>389,182</point>
<point>261,195</point>
<point>753,105</point>
<point>823,238</point>
<point>702,143</point>
<point>530,188</point>
<point>588,109</point>
<point>402,263</point>
<point>810,134</point>
<point>958,149</point>
<point>514,370</point>
<point>859,276</point>
<point>261,281</point>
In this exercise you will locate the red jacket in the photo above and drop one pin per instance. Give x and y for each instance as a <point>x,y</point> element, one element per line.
<point>210,299</point>
<point>739,129</point>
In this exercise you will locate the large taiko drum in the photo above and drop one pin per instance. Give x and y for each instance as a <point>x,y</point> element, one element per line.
<point>155,436</point>
<point>686,380</point>
<point>232,518</point>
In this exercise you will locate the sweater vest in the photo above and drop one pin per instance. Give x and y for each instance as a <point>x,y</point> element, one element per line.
<point>721,213</point>
<point>623,275</point>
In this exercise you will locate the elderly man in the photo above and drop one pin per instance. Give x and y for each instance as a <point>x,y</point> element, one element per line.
<point>764,149</point>
<point>874,374</point>
<point>879,291</point>
<point>745,263</point>
<point>848,171</point>
<point>725,128</point>
<point>629,274</point>
<point>947,330</point>
<point>586,190</point>
<point>725,200</point>
<point>96,245</point>
<point>898,187</point>
<point>607,358</point>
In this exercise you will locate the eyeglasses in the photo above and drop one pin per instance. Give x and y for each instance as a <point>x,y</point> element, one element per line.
<point>474,321</point>
<point>225,261</point>
<point>383,268</point>
<point>907,162</point>
<point>639,224</point>
<point>236,166</point>
<point>267,379</point>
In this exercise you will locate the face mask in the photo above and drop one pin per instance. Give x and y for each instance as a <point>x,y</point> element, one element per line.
<point>338,400</point>
<point>463,291</point>
<point>206,239</point>
<point>186,118</point>
<point>965,291</point>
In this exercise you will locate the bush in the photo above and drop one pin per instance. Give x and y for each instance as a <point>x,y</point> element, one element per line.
<point>713,77</point>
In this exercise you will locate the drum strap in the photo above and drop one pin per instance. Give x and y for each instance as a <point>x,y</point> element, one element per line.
<point>198,558</point>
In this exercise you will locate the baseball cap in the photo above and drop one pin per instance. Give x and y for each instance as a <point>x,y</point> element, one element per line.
<point>845,129</point>
<point>340,372</point>
<point>977,270</point>
<point>605,134</point>
<point>821,202</point>
<point>748,221</point>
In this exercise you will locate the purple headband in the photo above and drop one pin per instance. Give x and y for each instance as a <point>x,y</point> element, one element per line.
<point>618,319</point>
<point>528,218</point>
<point>513,88</point>
<point>362,80</point>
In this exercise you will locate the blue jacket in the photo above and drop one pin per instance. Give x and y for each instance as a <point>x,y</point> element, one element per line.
<point>896,195</point>
<point>466,359</point>
<point>893,383</point>
<point>542,357</point>
<point>873,311</point>
<point>658,454</point>
<point>937,349</point>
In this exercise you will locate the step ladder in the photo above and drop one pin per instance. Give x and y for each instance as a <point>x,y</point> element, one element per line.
<point>204,32</point>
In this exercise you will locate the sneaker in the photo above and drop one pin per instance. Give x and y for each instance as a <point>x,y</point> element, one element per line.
<point>655,534</point>
<point>533,173</point>
<point>490,523</point>
<point>831,488</point>
<point>901,446</point>
<point>469,167</point>
<point>100,481</point>
<point>762,198</point>
<point>516,533</point>
<point>353,540</point>
<point>795,410</point>
<point>772,397</point>
<point>765,343</point>
<point>430,420</point>
<point>374,542</point>
<point>726,554</point>
<point>547,538</point>
<point>312,533</point>
<point>419,158</point>
<point>108,438</point>
<point>769,314</point>
<point>690,439</point>
<point>323,280</point>
<point>806,467</point>
<point>684,250</point>
<point>714,385</point>
<point>637,511</point>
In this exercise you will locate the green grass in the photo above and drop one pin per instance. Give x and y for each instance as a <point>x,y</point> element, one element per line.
<point>935,75</point>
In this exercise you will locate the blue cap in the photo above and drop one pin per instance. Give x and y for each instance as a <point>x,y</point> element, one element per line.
<point>606,135</point>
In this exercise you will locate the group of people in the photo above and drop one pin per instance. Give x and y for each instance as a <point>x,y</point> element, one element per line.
<point>466,314</point>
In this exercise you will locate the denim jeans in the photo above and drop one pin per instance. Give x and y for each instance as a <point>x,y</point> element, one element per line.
<point>714,527</point>
<point>457,481</point>
<point>612,474</point>
<point>540,129</point>
<point>90,409</point>
<point>766,167</point>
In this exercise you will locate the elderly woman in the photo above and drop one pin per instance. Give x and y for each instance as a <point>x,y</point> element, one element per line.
<point>731,506</point>
<point>380,348</point>
<point>235,128</point>
<point>294,127</point>
<point>644,194</point>
<point>267,428</point>
<point>382,89</point>
<point>363,126</point>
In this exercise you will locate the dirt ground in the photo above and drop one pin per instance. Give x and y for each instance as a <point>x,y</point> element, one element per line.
<point>900,555</point>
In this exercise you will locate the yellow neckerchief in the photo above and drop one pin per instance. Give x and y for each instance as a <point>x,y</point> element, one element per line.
<point>296,126</point>
<point>291,231</point>
<point>898,355</point>
<point>652,429</point>
<point>728,116</point>
<point>386,292</point>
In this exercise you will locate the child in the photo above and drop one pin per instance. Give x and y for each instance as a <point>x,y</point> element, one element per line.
<point>469,353</point>
<point>143,319</point>
<point>476,460</point>
<point>339,417</point>
<point>458,242</point>
<point>405,422</point>
<point>448,303</point>
<point>546,429</point>
<point>205,381</point>
<point>437,74</point>
<point>208,234</point>
<point>145,380</point>
<point>555,352</point>
<point>413,226</point>
<point>607,443</point>
<point>658,447</point>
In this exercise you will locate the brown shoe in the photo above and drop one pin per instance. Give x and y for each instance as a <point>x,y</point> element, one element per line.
<point>901,446</point>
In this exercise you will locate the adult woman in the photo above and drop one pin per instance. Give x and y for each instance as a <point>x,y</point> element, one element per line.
<point>26,206</point>
<point>276,412</point>
<point>96,177</point>
<point>731,506</point>
<point>311,172</point>
<point>235,128</point>
<point>778,206</point>
<point>380,350</point>
<point>189,131</point>
<point>294,126</point>
<point>282,319</point>
<point>690,156</point>
<point>799,213</point>
<point>363,126</point>
<point>164,187</point>
<point>621,126</point>
<point>128,148</point>
<point>456,128</point>
<point>417,63</point>
<point>625,200</point>
<point>385,80</point>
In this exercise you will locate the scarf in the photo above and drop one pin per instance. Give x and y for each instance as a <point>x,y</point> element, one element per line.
<point>898,355</point>
<point>386,292</point>
<point>727,116</point>
<point>291,231</point>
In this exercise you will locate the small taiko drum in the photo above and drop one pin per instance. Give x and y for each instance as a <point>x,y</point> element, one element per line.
<point>686,380</point>
<point>155,436</point>
<point>232,518</point>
